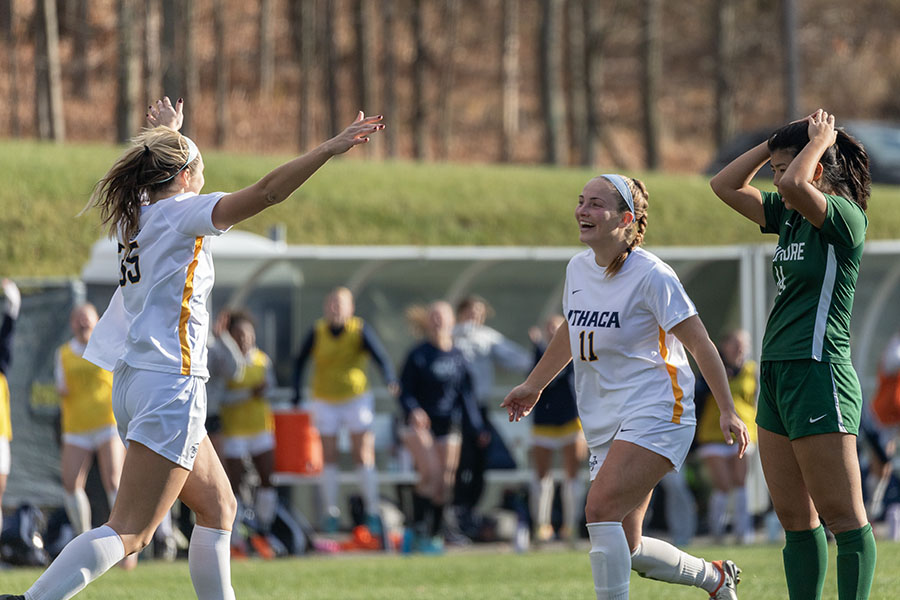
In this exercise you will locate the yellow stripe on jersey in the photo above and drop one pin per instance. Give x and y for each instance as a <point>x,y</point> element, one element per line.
<point>5,420</point>
<point>678,409</point>
<point>186,309</point>
<point>87,404</point>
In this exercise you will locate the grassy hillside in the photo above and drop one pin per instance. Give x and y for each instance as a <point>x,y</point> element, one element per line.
<point>353,201</point>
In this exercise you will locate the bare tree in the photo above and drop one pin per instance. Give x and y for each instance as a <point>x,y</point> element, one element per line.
<point>552,102</point>
<point>329,50</point>
<point>221,73</point>
<point>153,75</point>
<point>191,75</point>
<point>510,79</point>
<point>9,39</point>
<point>173,74</point>
<point>388,71</point>
<point>266,49</point>
<point>127,111</point>
<point>48,79</point>
<point>362,25</point>
<point>303,20</point>
<point>791,62</point>
<point>652,71</point>
<point>81,31</point>
<point>448,71</point>
<point>725,67</point>
<point>596,34</point>
<point>576,98</point>
<point>420,66</point>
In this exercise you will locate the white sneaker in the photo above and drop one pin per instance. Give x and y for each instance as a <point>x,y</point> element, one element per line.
<point>731,576</point>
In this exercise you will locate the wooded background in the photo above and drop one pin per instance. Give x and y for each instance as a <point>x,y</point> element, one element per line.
<point>627,84</point>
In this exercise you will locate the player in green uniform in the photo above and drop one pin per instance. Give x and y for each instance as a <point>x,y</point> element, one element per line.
<point>810,399</point>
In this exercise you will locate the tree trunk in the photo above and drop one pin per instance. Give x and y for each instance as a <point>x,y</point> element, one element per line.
<point>365,71</point>
<point>448,71</point>
<point>596,33</point>
<point>304,18</point>
<point>580,133</point>
<point>172,57</point>
<point>48,80</point>
<point>652,67</point>
<point>387,94</point>
<point>153,75</point>
<point>510,79</point>
<point>551,82</point>
<point>420,65</point>
<point>9,40</point>
<point>221,73</point>
<point>329,46</point>
<point>266,50</point>
<point>81,31</point>
<point>725,34</point>
<point>191,76</point>
<point>127,111</point>
<point>791,62</point>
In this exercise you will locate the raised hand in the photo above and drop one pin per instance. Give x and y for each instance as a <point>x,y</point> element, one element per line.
<point>357,133</point>
<point>163,113</point>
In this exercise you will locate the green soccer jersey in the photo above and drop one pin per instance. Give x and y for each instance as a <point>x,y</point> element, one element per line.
<point>815,277</point>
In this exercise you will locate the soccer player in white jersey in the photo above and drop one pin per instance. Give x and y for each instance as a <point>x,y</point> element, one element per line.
<point>153,337</point>
<point>628,321</point>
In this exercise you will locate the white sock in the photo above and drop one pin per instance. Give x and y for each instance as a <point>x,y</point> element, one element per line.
<point>610,560</point>
<point>368,483</point>
<point>571,492</point>
<point>266,503</point>
<point>83,560</point>
<point>718,513</point>
<point>78,509</point>
<point>656,559</point>
<point>209,559</point>
<point>542,499</point>
<point>329,488</point>
<point>742,520</point>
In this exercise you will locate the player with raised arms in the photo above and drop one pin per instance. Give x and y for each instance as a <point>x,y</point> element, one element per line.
<point>628,322</point>
<point>810,400</point>
<point>153,337</point>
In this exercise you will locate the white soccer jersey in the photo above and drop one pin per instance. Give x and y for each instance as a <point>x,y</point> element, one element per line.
<point>626,364</point>
<point>157,319</point>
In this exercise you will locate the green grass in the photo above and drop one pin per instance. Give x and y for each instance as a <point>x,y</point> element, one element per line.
<point>353,201</point>
<point>477,574</point>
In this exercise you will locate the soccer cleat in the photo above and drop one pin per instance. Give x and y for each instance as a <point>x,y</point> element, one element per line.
<point>544,533</point>
<point>11,597</point>
<point>731,576</point>
<point>262,547</point>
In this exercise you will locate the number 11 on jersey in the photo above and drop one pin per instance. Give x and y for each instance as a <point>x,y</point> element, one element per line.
<point>590,343</point>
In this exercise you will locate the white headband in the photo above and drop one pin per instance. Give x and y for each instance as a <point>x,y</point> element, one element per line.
<point>193,152</point>
<point>622,186</point>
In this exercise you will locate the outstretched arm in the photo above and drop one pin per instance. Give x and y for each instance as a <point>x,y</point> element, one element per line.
<point>692,334</point>
<point>281,183</point>
<point>732,184</point>
<point>163,113</point>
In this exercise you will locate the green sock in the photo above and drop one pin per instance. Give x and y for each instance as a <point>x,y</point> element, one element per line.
<point>855,563</point>
<point>805,563</point>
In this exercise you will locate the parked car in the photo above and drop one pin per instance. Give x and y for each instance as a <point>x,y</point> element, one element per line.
<point>881,140</point>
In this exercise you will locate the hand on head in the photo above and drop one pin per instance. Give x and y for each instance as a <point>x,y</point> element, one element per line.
<point>821,126</point>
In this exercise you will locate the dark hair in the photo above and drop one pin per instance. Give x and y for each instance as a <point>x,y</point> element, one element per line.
<point>471,300</point>
<point>238,317</point>
<point>147,166</point>
<point>845,164</point>
<point>641,198</point>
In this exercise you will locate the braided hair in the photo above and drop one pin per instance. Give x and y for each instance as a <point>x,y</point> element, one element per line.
<point>635,231</point>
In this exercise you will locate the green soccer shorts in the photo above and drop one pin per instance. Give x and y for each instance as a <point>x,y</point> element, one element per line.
<point>806,397</point>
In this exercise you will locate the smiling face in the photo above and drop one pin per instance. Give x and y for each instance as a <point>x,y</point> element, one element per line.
<point>599,215</point>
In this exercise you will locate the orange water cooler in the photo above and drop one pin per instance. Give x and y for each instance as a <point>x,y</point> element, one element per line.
<point>298,446</point>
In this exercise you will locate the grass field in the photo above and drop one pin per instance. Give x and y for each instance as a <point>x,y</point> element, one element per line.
<point>474,574</point>
<point>355,201</point>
